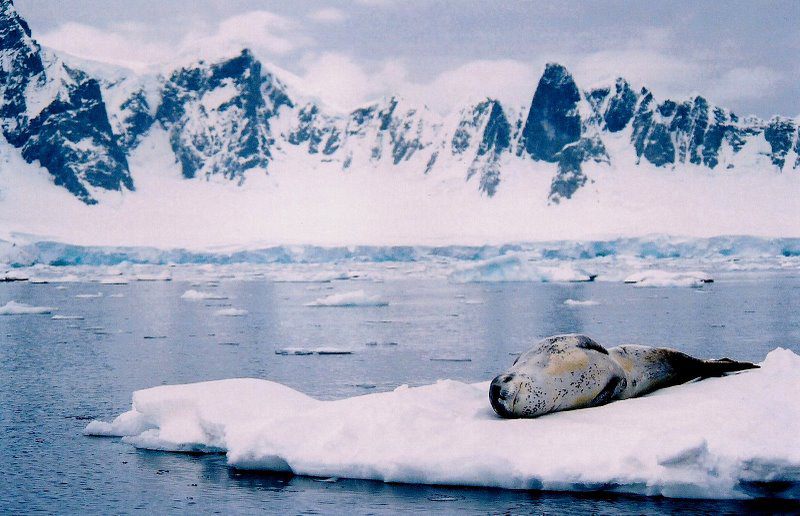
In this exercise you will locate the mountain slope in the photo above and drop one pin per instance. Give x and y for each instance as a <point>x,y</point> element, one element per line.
<point>226,118</point>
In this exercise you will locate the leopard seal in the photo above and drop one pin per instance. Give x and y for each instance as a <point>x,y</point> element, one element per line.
<point>571,371</point>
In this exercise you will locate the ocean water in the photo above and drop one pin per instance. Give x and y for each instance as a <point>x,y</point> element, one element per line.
<point>55,375</point>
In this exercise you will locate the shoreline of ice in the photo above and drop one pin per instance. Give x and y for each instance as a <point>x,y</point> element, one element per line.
<point>731,437</point>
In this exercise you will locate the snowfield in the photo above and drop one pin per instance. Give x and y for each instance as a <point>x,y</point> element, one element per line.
<point>732,437</point>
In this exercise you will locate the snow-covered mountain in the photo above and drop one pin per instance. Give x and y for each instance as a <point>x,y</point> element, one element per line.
<point>227,117</point>
<point>95,130</point>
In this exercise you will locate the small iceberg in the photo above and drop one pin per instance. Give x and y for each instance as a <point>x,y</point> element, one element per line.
<point>67,317</point>
<point>231,312</point>
<point>659,278</point>
<point>349,299</point>
<point>14,308</point>
<point>89,296</point>
<point>312,351</point>
<point>197,295</point>
<point>577,302</point>
<point>732,437</point>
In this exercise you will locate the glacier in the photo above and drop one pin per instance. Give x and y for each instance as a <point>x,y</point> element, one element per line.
<point>731,437</point>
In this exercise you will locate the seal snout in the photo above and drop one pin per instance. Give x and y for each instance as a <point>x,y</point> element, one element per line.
<point>502,394</point>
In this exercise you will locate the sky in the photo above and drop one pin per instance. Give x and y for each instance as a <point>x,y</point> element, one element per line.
<point>741,55</point>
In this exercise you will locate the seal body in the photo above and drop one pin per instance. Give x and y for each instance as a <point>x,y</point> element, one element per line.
<point>573,371</point>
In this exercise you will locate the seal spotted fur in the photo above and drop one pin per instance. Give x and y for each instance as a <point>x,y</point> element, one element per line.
<point>572,371</point>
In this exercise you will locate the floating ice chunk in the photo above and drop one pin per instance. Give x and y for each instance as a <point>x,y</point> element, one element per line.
<point>349,299</point>
<point>13,275</point>
<point>517,268</point>
<point>164,276</point>
<point>312,351</point>
<point>89,296</point>
<point>117,295</point>
<point>113,281</point>
<point>197,295</point>
<point>577,302</point>
<point>231,312</point>
<point>659,278</point>
<point>67,318</point>
<point>14,308</point>
<point>732,437</point>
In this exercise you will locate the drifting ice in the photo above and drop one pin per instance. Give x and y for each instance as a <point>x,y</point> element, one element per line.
<point>355,298</point>
<point>733,437</point>
<point>14,308</point>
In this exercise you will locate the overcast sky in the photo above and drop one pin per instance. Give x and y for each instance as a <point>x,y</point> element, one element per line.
<point>742,55</point>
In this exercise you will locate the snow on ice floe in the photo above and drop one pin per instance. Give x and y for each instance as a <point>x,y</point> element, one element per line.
<point>197,295</point>
<point>659,278</point>
<point>58,317</point>
<point>15,308</point>
<point>231,312</point>
<point>518,268</point>
<point>579,302</point>
<point>89,296</point>
<point>732,437</point>
<point>349,299</point>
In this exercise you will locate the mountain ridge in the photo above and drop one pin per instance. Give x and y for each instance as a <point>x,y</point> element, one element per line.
<point>227,117</point>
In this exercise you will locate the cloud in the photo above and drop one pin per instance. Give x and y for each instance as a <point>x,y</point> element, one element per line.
<point>341,81</point>
<point>328,15</point>
<point>138,46</point>
<point>745,83</point>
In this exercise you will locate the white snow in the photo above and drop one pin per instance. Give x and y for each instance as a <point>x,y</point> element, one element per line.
<point>197,295</point>
<point>717,438</point>
<point>578,302</point>
<point>349,299</point>
<point>659,278</point>
<point>15,308</point>
<point>67,318</point>
<point>231,312</point>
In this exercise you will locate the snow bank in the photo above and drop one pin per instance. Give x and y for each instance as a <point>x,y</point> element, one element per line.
<point>517,268</point>
<point>231,312</point>
<point>577,302</point>
<point>657,278</point>
<point>196,295</point>
<point>733,437</point>
<point>348,299</point>
<point>14,308</point>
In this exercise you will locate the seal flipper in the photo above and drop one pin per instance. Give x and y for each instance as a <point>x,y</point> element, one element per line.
<point>721,367</point>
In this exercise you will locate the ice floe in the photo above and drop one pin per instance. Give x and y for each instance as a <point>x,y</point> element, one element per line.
<point>659,278</point>
<point>580,302</point>
<point>231,312</point>
<point>197,295</point>
<point>732,437</point>
<point>312,351</point>
<point>349,299</point>
<point>15,308</point>
<point>89,296</point>
<point>67,317</point>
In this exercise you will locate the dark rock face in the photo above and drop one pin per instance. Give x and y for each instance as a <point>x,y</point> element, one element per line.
<point>218,116</point>
<point>137,120</point>
<point>570,176</point>
<point>780,133</point>
<point>67,133</point>
<point>620,107</point>
<point>553,120</point>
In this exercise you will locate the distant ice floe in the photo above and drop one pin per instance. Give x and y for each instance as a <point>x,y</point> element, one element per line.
<point>231,312</point>
<point>518,268</point>
<point>731,437</point>
<point>349,299</point>
<point>312,351</point>
<point>89,296</point>
<point>67,317</point>
<point>15,308</point>
<point>658,278</point>
<point>577,302</point>
<point>197,295</point>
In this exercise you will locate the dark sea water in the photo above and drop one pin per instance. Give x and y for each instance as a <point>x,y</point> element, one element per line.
<point>56,375</point>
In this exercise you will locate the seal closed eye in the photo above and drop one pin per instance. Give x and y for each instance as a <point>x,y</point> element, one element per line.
<point>565,372</point>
